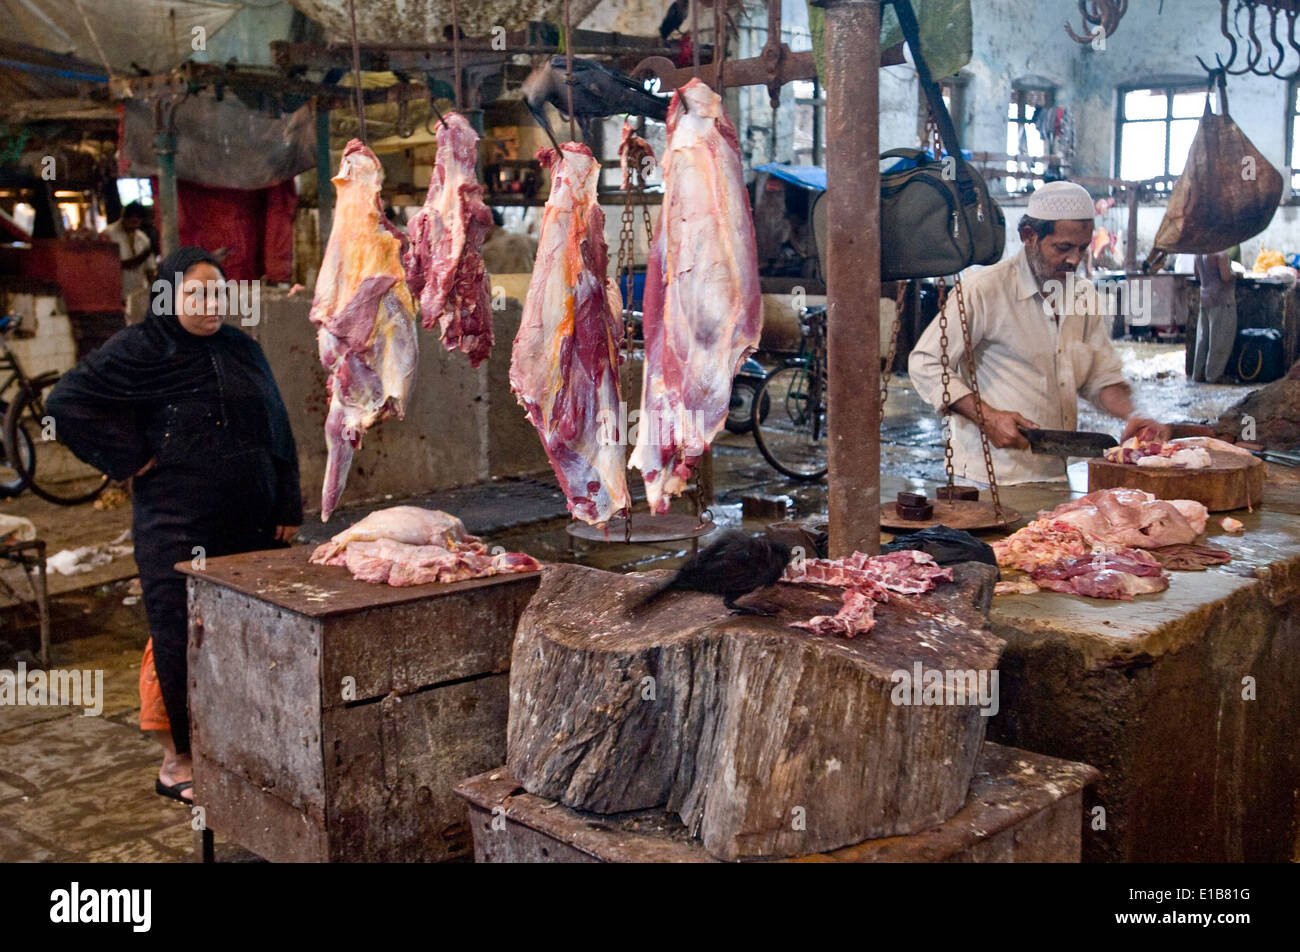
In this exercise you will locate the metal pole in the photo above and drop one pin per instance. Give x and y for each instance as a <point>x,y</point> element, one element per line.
<point>324,186</point>
<point>164,145</point>
<point>853,272</point>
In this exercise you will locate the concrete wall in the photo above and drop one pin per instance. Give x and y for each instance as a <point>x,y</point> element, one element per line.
<point>442,442</point>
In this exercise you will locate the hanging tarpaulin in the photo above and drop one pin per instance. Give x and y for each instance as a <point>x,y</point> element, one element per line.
<point>945,29</point>
<point>222,143</point>
<point>426,21</point>
<point>155,35</point>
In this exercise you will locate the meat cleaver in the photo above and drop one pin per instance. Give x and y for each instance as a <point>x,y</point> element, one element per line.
<point>1068,442</point>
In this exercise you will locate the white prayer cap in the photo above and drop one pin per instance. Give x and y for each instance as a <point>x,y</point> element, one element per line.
<point>1058,201</point>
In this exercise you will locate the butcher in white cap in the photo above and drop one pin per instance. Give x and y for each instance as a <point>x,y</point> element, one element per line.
<point>1040,343</point>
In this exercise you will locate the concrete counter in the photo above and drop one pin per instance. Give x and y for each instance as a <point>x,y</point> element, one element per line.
<point>1188,701</point>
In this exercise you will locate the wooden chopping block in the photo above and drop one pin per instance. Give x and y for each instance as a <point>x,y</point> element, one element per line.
<point>1233,482</point>
<point>766,740</point>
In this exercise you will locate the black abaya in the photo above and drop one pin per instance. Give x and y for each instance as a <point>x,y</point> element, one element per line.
<point>208,410</point>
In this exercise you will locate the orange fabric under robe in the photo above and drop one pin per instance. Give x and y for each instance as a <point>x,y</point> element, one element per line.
<point>153,713</point>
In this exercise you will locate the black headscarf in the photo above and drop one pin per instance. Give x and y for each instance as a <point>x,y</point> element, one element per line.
<point>96,405</point>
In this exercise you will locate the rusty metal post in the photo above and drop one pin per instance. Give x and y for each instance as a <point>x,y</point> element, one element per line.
<point>853,272</point>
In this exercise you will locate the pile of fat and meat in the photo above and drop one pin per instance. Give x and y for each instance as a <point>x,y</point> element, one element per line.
<point>406,545</point>
<point>1113,543</point>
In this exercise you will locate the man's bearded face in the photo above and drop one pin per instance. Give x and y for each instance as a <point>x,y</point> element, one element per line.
<point>1055,256</point>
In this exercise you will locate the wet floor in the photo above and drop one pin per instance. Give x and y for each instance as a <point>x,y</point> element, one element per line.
<point>74,787</point>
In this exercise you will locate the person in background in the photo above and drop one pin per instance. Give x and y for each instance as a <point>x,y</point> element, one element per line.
<point>187,405</point>
<point>137,254</point>
<point>1216,327</point>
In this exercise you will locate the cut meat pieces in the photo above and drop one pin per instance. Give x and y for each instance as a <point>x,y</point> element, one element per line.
<point>866,579</point>
<point>406,545</point>
<point>703,310</point>
<point>365,318</point>
<point>1105,575</point>
<point>444,268</point>
<point>1132,517</point>
<point>564,366</point>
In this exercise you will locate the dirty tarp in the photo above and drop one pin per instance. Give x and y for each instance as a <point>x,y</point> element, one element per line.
<point>423,21</point>
<point>222,144</point>
<point>155,34</point>
<point>945,28</point>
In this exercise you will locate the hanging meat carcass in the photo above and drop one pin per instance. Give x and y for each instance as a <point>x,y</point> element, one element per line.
<point>564,366</point>
<point>703,309</point>
<point>365,316</point>
<point>444,268</point>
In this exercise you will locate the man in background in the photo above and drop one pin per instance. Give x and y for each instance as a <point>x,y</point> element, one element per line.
<point>137,256</point>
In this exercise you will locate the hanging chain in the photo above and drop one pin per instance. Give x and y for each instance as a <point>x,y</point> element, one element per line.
<point>946,378</point>
<point>888,373</point>
<point>979,403</point>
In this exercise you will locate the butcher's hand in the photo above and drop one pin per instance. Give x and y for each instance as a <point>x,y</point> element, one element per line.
<point>1002,426</point>
<point>286,533</point>
<point>1147,429</point>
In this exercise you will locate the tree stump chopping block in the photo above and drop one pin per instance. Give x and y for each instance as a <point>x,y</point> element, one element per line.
<point>766,740</point>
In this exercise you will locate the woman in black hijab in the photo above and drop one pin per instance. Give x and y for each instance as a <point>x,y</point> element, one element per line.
<point>187,405</point>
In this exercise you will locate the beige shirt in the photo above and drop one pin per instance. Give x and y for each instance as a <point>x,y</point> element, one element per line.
<point>1026,361</point>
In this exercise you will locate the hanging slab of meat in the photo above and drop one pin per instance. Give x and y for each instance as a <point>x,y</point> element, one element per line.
<point>365,316</point>
<point>406,545</point>
<point>866,580</point>
<point>444,268</point>
<point>1132,517</point>
<point>564,366</point>
<point>703,309</point>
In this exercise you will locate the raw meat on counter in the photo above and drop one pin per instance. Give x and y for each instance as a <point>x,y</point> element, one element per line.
<point>444,268</point>
<point>365,316</point>
<point>564,366</point>
<point>866,580</point>
<point>1132,517</point>
<point>703,310</point>
<point>406,545</point>
<point>1119,575</point>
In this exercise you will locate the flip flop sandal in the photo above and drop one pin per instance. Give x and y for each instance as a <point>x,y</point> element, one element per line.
<point>174,791</point>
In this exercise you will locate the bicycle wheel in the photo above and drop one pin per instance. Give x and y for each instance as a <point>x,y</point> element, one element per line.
<point>11,475</point>
<point>62,479</point>
<point>792,434</point>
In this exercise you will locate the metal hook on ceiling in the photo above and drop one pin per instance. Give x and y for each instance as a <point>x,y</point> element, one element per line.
<point>1272,35</point>
<point>1232,43</point>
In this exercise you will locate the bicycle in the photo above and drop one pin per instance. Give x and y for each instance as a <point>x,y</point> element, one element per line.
<point>791,435</point>
<point>28,431</point>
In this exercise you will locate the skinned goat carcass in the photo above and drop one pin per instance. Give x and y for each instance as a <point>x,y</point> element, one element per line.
<point>444,268</point>
<point>703,308</point>
<point>365,318</point>
<point>564,366</point>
